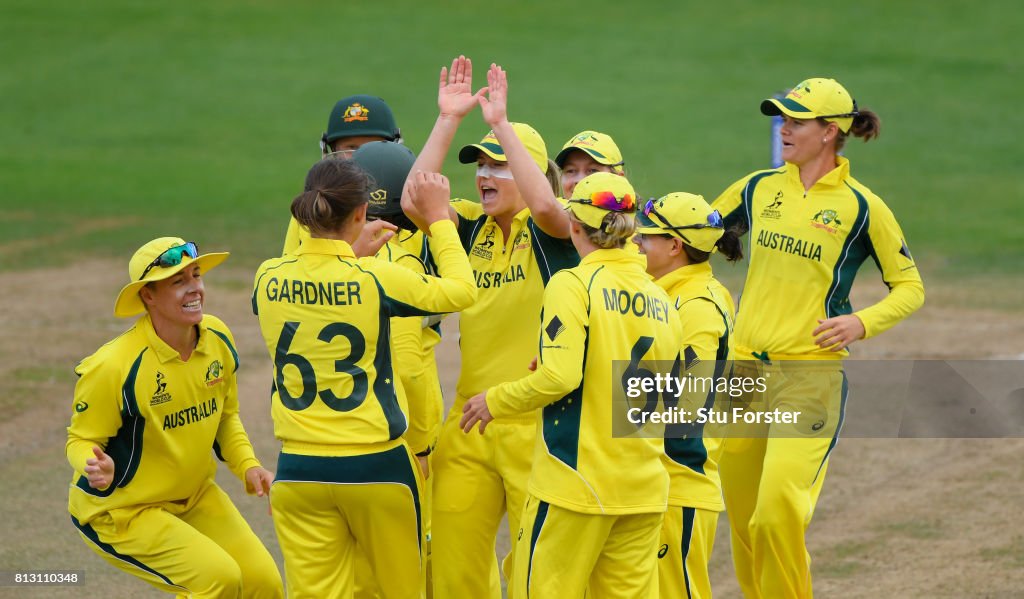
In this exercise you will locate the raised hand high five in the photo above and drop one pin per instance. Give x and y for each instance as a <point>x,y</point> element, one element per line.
<point>455,95</point>
<point>494,104</point>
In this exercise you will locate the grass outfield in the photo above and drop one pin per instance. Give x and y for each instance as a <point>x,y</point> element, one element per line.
<point>123,120</point>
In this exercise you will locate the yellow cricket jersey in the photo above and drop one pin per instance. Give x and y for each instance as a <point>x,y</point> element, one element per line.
<point>325,317</point>
<point>412,347</point>
<point>805,249</point>
<point>605,309</point>
<point>418,373</point>
<point>414,242</point>
<point>160,419</point>
<point>510,277</point>
<point>706,313</point>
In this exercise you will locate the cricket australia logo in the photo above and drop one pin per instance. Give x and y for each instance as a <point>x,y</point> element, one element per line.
<point>214,374</point>
<point>827,220</point>
<point>522,241</point>
<point>160,395</point>
<point>585,139</point>
<point>800,89</point>
<point>356,112</point>
<point>773,210</point>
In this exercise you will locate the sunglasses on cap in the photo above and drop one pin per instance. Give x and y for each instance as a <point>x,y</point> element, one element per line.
<point>607,200</point>
<point>844,115</point>
<point>173,257</point>
<point>714,219</point>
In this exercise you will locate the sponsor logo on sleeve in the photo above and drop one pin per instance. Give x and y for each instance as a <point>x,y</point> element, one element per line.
<point>554,328</point>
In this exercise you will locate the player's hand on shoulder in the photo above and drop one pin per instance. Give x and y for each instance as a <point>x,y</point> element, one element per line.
<point>99,470</point>
<point>431,195</point>
<point>258,481</point>
<point>373,237</point>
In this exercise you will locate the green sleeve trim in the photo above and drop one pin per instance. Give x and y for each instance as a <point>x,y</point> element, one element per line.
<point>384,381</point>
<point>856,249</point>
<point>468,229</point>
<point>743,215</point>
<point>560,421</point>
<point>227,342</point>
<point>390,305</point>
<point>255,306</point>
<point>125,447</point>
<point>552,254</point>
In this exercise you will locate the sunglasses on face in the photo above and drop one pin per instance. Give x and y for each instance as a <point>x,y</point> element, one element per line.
<point>714,219</point>
<point>608,201</point>
<point>173,257</point>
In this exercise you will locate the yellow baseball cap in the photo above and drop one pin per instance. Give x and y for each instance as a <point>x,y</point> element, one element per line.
<point>158,260</point>
<point>601,147</point>
<point>598,194</point>
<point>684,215</point>
<point>489,145</point>
<point>815,98</point>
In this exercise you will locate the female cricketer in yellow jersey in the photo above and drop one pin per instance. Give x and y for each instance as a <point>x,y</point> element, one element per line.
<point>412,343</point>
<point>595,505</point>
<point>388,164</point>
<point>345,475</point>
<point>811,225</point>
<point>151,409</point>
<point>513,254</point>
<point>677,234</point>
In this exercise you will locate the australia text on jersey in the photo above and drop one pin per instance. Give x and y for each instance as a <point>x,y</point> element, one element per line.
<point>198,412</point>
<point>486,280</point>
<point>790,245</point>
